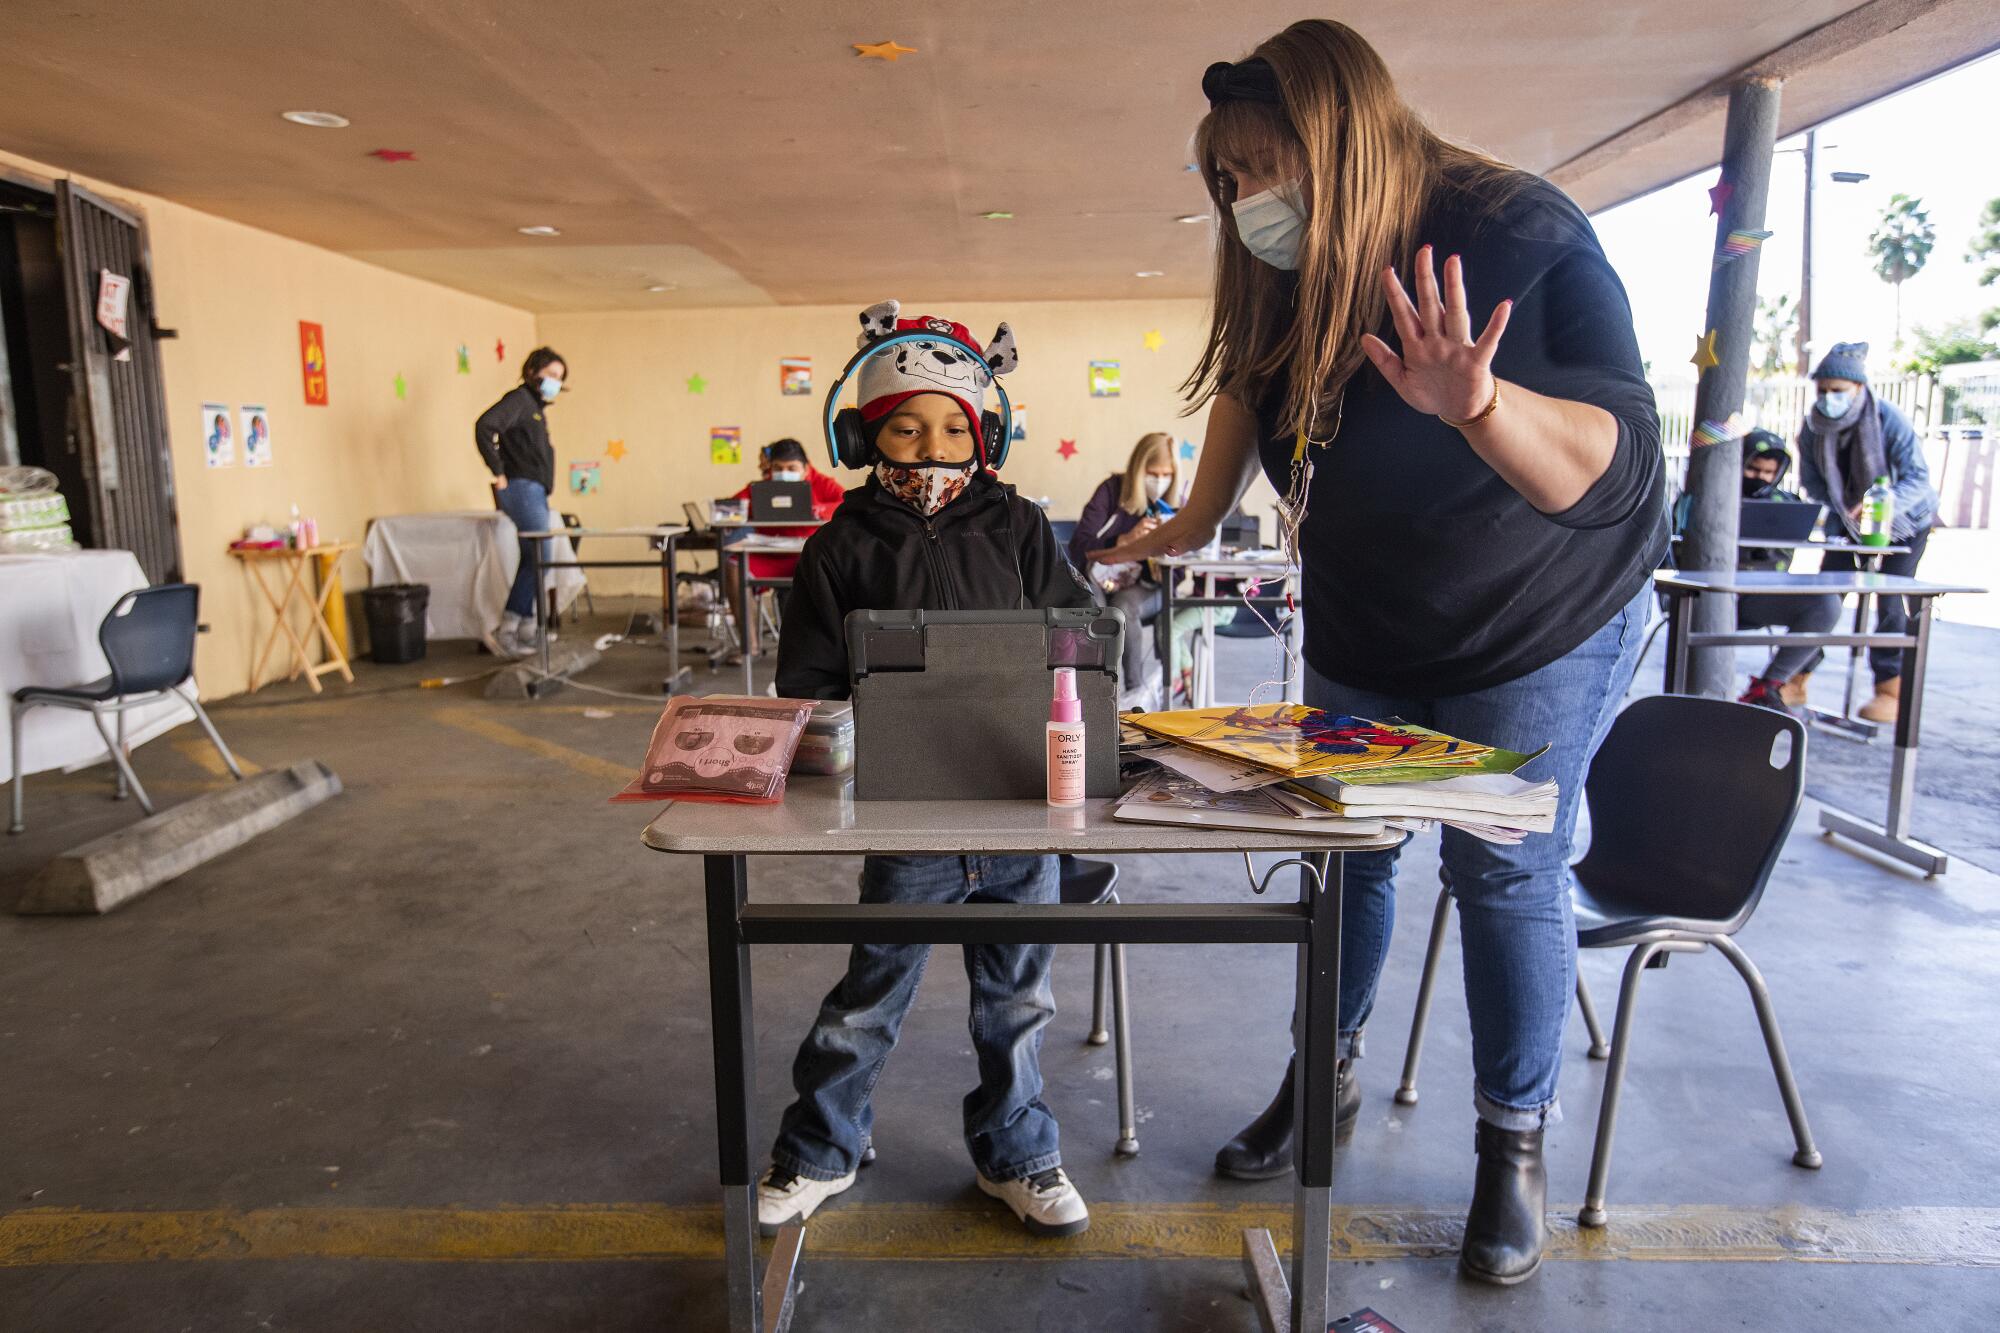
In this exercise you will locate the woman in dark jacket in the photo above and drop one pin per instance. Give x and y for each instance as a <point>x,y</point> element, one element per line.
<point>513,439</point>
<point>1133,502</point>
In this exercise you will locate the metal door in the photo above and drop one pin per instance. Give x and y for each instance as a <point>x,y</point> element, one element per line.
<point>119,418</point>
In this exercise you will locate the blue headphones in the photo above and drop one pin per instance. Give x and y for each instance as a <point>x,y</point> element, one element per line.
<point>847,434</point>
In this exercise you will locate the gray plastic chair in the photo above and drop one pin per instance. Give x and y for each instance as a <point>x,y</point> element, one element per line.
<point>1691,800</point>
<point>148,640</point>
<point>1089,881</point>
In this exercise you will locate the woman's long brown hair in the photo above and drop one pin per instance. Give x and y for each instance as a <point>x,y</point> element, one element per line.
<point>1372,166</point>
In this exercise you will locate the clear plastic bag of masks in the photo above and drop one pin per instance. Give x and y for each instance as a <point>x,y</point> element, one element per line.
<point>721,747</point>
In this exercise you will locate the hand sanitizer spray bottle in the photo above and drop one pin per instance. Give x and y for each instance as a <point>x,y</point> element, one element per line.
<point>1065,741</point>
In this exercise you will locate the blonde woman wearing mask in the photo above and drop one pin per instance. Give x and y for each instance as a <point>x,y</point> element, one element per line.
<point>1131,504</point>
<point>1437,340</point>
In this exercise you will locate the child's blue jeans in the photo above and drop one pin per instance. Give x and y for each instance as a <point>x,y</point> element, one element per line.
<point>1008,1130</point>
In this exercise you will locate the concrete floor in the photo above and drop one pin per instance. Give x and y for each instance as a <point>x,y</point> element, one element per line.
<point>464,984</point>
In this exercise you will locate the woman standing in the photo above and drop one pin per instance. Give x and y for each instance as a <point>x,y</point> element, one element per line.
<point>513,439</point>
<point>1850,438</point>
<point>1471,456</point>
<point>1131,503</point>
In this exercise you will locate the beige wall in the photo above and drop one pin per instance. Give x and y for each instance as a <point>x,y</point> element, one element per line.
<point>630,376</point>
<point>236,296</point>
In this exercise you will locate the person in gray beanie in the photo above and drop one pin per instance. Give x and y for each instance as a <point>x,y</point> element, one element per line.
<point>1851,437</point>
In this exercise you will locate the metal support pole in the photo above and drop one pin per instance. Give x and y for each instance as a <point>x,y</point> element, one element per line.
<point>1714,470</point>
<point>727,884</point>
<point>1804,335</point>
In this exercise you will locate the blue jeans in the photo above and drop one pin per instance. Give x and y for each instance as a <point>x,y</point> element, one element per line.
<point>1008,1130</point>
<point>1515,925</point>
<point>527,503</point>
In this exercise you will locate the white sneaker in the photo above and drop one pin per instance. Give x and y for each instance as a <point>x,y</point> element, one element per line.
<point>1046,1203</point>
<point>783,1198</point>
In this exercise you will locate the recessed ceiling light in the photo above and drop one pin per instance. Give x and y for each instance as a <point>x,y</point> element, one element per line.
<point>1150,273</point>
<point>539,231</point>
<point>319,120</point>
<point>996,216</point>
<point>663,287</point>
<point>1192,217</point>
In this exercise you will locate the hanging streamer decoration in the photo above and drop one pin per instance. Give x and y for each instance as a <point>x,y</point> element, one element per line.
<point>1717,432</point>
<point>1738,244</point>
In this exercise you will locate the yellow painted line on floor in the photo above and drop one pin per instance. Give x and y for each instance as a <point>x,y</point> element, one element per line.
<point>42,1237</point>
<point>204,757</point>
<point>487,728</point>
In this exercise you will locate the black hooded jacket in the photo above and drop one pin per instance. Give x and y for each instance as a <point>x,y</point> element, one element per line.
<point>985,551</point>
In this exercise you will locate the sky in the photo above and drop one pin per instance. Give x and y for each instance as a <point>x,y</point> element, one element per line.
<point>1935,141</point>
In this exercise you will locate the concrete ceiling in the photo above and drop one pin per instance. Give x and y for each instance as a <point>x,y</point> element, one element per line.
<point>742,154</point>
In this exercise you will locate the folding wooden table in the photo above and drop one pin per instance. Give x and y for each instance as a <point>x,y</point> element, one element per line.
<point>300,560</point>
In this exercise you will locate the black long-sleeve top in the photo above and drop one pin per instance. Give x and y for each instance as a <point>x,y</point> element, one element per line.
<point>513,438</point>
<point>988,550</point>
<point>1427,575</point>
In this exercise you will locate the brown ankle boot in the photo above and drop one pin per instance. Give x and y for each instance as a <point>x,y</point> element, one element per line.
<point>1793,691</point>
<point>1887,701</point>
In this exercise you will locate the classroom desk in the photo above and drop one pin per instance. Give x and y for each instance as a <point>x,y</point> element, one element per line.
<point>819,817</point>
<point>666,534</point>
<point>1870,559</point>
<point>740,550</point>
<point>1892,836</point>
<point>1208,568</point>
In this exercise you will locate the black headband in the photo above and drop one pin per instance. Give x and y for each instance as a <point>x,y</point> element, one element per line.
<point>1251,80</point>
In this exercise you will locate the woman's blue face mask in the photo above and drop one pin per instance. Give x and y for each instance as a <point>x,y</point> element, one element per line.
<point>1272,224</point>
<point>549,387</point>
<point>1834,403</point>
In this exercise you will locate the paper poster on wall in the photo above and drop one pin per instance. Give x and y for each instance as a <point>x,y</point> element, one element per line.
<point>312,362</point>
<point>112,291</point>
<point>1019,432</point>
<point>218,443</point>
<point>725,444</point>
<point>1104,379</point>
<point>795,376</point>
<point>254,425</point>
<point>585,478</point>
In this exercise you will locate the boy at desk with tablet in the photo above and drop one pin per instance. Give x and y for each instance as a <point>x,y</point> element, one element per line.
<point>932,529</point>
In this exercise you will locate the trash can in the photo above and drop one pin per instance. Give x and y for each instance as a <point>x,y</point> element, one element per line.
<point>395,614</point>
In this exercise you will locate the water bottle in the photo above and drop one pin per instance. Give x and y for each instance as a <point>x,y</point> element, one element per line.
<point>1878,513</point>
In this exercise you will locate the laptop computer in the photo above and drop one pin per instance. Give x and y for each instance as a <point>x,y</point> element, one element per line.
<point>781,502</point>
<point>1780,522</point>
<point>954,705</point>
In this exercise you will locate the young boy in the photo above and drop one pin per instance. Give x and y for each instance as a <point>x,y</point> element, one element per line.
<point>931,529</point>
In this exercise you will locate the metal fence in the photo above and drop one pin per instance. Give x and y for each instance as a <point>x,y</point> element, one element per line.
<point>1955,414</point>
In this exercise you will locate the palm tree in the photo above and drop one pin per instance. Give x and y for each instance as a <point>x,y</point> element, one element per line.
<point>1777,325</point>
<point>1901,246</point>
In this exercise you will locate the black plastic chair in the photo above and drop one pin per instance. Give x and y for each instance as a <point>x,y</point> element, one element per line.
<point>1690,800</point>
<point>148,640</point>
<point>1090,882</point>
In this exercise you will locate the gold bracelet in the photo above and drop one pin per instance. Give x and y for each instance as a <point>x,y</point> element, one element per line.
<point>1490,408</point>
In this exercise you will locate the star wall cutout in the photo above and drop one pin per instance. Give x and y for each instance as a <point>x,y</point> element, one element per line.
<point>696,383</point>
<point>1067,449</point>
<point>1704,357</point>
<point>393,155</point>
<point>1187,449</point>
<point>889,51</point>
<point>402,386</point>
<point>499,351</point>
<point>615,450</point>
<point>1718,195</point>
<point>1154,340</point>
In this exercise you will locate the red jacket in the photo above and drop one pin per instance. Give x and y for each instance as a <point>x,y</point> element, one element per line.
<point>827,493</point>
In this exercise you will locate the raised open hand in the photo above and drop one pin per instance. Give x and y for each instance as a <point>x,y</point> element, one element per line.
<point>1442,371</point>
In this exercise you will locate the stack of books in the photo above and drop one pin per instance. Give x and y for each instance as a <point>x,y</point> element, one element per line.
<point>1286,767</point>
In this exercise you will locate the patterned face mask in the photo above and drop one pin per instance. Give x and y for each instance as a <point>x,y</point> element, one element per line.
<point>925,487</point>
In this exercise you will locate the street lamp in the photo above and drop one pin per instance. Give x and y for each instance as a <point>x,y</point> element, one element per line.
<point>1804,336</point>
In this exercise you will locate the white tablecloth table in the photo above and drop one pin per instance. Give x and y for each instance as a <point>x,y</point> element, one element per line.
<point>467,558</point>
<point>50,608</point>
